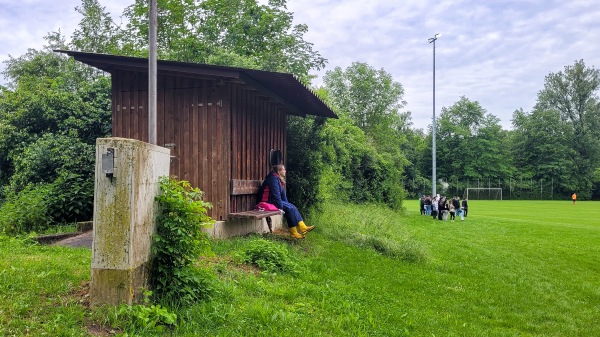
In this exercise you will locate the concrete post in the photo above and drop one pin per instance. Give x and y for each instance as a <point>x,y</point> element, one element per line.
<point>127,174</point>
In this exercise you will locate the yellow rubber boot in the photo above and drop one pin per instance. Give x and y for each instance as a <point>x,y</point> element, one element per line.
<point>294,233</point>
<point>304,228</point>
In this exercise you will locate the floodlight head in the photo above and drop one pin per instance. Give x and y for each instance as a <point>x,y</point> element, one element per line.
<point>435,37</point>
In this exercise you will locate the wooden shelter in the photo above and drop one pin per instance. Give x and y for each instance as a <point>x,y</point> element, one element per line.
<point>220,122</point>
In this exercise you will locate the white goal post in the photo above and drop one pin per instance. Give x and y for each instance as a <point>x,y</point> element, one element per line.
<point>483,193</point>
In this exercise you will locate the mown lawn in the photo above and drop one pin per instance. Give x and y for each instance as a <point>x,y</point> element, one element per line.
<point>513,268</point>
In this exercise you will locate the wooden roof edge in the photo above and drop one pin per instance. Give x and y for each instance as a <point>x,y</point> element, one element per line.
<point>282,87</point>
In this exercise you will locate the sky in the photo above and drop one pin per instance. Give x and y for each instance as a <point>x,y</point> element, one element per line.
<point>494,52</point>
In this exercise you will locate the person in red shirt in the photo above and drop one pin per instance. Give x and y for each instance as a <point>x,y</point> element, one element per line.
<point>574,198</point>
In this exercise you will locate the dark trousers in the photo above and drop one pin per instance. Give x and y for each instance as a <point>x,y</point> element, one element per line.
<point>291,214</point>
<point>465,209</point>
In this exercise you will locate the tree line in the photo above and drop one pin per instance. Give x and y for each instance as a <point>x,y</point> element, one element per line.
<point>52,109</point>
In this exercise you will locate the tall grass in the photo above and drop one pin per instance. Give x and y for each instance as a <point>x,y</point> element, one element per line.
<point>511,269</point>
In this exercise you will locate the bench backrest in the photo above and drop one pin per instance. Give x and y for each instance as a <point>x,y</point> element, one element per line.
<point>243,195</point>
<point>241,187</point>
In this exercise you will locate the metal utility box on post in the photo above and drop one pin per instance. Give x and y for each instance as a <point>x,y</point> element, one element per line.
<point>126,183</point>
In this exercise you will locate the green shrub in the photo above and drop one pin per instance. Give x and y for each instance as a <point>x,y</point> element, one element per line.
<point>178,243</point>
<point>269,256</point>
<point>142,318</point>
<point>49,157</point>
<point>26,211</point>
<point>71,198</point>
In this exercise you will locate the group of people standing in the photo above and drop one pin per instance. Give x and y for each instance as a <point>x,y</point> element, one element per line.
<point>440,207</point>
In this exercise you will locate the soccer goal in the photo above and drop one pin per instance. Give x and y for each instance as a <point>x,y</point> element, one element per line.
<point>484,193</point>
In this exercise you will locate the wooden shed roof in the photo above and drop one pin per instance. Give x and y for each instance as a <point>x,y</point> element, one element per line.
<point>282,87</point>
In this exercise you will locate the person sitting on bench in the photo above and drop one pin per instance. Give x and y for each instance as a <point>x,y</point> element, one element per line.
<point>272,191</point>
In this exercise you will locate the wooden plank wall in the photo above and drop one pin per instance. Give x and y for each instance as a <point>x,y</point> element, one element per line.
<point>258,125</point>
<point>220,131</point>
<point>193,115</point>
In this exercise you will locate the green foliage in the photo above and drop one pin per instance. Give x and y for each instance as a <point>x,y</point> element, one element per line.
<point>371,227</point>
<point>26,211</point>
<point>71,198</point>
<point>39,207</point>
<point>233,33</point>
<point>572,95</point>
<point>50,116</point>
<point>50,156</point>
<point>470,143</point>
<point>334,160</point>
<point>596,181</point>
<point>269,256</point>
<point>143,318</point>
<point>540,151</point>
<point>179,241</point>
<point>369,159</point>
<point>363,174</point>
<point>96,31</point>
<point>369,97</point>
<point>304,163</point>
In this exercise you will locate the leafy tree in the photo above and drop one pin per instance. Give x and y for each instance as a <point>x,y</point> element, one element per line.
<point>51,113</point>
<point>540,150</point>
<point>304,162</point>
<point>572,94</point>
<point>415,180</point>
<point>96,32</point>
<point>371,100</point>
<point>232,32</point>
<point>369,97</point>
<point>471,144</point>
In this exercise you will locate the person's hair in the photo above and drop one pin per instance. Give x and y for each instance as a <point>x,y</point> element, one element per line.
<point>276,169</point>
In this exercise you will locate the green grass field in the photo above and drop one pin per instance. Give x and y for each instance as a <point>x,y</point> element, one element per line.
<point>513,268</point>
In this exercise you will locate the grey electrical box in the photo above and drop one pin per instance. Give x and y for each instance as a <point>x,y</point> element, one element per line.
<point>108,162</point>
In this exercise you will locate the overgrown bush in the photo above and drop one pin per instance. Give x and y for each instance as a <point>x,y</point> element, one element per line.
<point>41,206</point>
<point>26,211</point>
<point>49,157</point>
<point>304,163</point>
<point>363,174</point>
<point>335,160</point>
<point>71,198</point>
<point>178,243</point>
<point>269,256</point>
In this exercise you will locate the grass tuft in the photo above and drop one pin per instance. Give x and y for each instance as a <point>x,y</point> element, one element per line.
<point>370,227</point>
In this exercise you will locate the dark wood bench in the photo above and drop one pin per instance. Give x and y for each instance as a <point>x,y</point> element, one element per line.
<point>249,187</point>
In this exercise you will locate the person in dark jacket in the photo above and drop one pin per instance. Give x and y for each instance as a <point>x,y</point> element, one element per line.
<point>442,207</point>
<point>428,205</point>
<point>465,206</point>
<point>272,191</point>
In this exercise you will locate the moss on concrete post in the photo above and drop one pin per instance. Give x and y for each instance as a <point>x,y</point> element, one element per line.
<point>125,218</point>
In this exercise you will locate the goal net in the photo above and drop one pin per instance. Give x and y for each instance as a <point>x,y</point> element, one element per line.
<point>483,193</point>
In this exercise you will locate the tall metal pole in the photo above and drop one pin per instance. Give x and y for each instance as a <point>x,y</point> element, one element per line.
<point>433,127</point>
<point>152,74</point>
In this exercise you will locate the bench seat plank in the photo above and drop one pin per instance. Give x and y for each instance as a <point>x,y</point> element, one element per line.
<point>253,214</point>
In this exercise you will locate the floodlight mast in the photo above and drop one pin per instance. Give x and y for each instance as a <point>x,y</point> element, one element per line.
<point>433,127</point>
